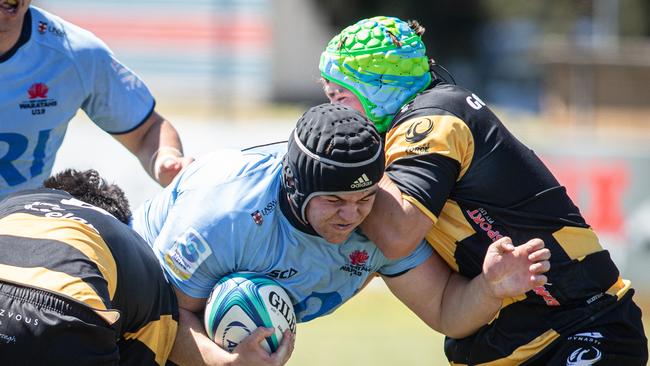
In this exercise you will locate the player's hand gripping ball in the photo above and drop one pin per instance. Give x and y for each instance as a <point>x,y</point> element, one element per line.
<point>242,301</point>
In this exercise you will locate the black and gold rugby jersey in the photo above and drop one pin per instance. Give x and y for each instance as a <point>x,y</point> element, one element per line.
<point>452,158</point>
<point>50,240</point>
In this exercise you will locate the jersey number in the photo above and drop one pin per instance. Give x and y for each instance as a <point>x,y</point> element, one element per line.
<point>17,146</point>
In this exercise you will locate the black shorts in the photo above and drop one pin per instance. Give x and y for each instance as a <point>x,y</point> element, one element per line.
<point>614,337</point>
<point>39,327</point>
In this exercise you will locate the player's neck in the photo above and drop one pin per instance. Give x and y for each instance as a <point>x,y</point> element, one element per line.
<point>7,41</point>
<point>10,34</point>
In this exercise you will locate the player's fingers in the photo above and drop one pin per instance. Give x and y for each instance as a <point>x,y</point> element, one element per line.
<point>538,280</point>
<point>540,255</point>
<point>534,244</point>
<point>540,267</point>
<point>285,349</point>
<point>260,333</point>
<point>504,245</point>
<point>171,164</point>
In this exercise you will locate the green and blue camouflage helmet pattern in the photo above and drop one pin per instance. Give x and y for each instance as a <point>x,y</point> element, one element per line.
<point>382,61</point>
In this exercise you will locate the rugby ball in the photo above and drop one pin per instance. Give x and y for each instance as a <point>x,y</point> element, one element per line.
<point>243,301</point>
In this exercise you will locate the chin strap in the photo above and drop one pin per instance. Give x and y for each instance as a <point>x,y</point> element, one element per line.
<point>290,212</point>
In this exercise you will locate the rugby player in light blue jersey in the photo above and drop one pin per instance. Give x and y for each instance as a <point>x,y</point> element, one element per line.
<point>291,212</point>
<point>49,69</point>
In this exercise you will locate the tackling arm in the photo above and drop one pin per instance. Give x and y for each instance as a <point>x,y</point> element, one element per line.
<point>456,306</point>
<point>394,224</point>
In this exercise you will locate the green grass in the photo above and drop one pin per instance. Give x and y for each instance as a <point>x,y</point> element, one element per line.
<point>373,328</point>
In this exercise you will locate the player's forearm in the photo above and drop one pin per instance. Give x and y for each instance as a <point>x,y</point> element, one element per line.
<point>193,347</point>
<point>467,305</point>
<point>161,141</point>
<point>153,142</point>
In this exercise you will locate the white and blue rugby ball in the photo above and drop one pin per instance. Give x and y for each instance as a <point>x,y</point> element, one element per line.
<point>243,301</point>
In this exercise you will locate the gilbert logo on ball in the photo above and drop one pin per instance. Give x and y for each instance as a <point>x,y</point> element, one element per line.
<point>243,301</point>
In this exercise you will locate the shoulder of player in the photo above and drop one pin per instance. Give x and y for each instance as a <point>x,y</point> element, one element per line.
<point>217,170</point>
<point>22,200</point>
<point>52,31</point>
<point>442,100</point>
<point>243,200</point>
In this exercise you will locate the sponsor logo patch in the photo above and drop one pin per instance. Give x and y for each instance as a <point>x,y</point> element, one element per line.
<point>187,253</point>
<point>584,356</point>
<point>475,102</point>
<point>361,182</point>
<point>127,77</point>
<point>8,315</point>
<point>258,215</point>
<point>418,149</point>
<point>57,211</point>
<point>42,27</point>
<point>481,218</point>
<point>418,130</point>
<point>282,274</point>
<point>548,298</point>
<point>587,337</point>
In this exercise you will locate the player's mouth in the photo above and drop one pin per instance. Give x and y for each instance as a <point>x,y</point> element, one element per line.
<point>9,7</point>
<point>343,227</point>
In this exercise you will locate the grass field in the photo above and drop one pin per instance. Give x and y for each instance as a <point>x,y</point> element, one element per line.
<point>374,329</point>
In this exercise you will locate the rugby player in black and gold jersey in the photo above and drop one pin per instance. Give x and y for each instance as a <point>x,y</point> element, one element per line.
<point>77,285</point>
<point>458,178</point>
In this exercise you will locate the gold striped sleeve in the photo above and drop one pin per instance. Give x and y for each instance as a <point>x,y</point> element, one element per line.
<point>445,135</point>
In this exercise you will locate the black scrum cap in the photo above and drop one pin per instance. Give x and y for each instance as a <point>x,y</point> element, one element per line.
<point>333,149</point>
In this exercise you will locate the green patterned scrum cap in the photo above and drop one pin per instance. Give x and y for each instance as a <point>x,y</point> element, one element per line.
<point>382,61</point>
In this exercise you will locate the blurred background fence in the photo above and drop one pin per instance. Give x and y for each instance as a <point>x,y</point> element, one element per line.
<point>570,78</point>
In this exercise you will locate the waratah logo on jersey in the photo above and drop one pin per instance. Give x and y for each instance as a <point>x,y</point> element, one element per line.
<point>38,91</point>
<point>358,257</point>
<point>38,101</point>
<point>357,266</point>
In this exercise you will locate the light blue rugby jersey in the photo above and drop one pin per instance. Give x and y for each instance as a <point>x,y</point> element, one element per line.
<point>58,69</point>
<point>221,215</point>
